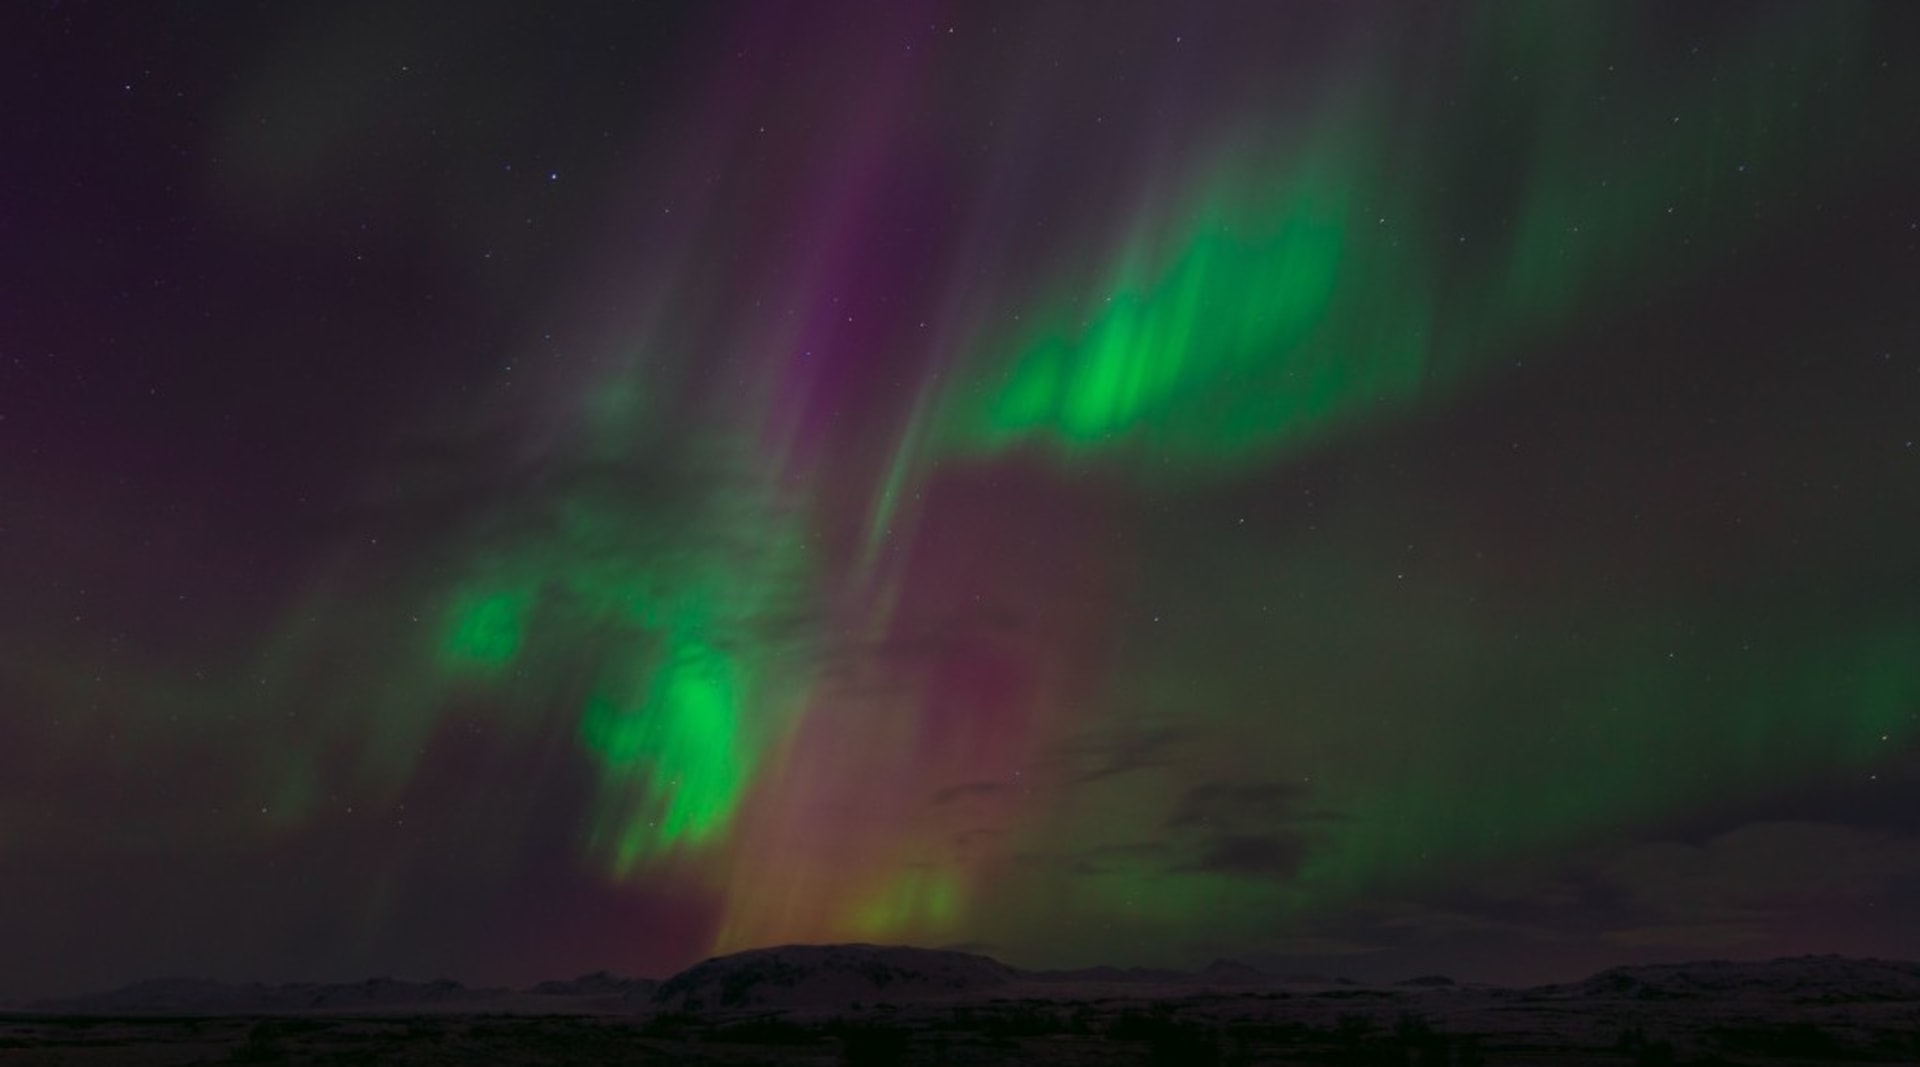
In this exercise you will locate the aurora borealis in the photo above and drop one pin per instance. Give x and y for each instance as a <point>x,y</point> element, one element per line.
<point>1357,487</point>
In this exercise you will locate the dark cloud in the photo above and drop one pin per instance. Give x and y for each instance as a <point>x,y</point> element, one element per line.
<point>1238,806</point>
<point>1117,859</point>
<point>1752,889</point>
<point>1108,755</point>
<point>1755,869</point>
<point>1695,939</point>
<point>1249,856</point>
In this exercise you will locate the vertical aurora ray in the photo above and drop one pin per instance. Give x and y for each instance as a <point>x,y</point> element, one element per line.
<point>966,476</point>
<point>1241,317</point>
<point>1271,293</point>
<point>1291,289</point>
<point>679,744</point>
<point>667,629</point>
<point>1584,214</point>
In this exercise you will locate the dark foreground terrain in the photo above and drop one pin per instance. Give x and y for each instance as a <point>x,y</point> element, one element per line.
<point>831,1006</point>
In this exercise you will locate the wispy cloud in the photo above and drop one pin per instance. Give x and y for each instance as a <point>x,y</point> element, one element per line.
<point>1239,855</point>
<point>1238,806</point>
<point>1108,755</point>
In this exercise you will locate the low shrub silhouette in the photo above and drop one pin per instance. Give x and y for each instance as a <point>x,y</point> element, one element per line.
<point>264,1044</point>
<point>766,1032</point>
<point>1027,1022</point>
<point>872,1046</point>
<point>1184,1045</point>
<point>670,1025</point>
<point>1798,1040</point>
<point>1169,1041</point>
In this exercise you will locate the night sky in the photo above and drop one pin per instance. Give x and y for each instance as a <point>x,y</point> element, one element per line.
<point>496,490</point>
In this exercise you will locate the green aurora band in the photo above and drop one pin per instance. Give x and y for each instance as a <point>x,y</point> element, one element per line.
<point>1292,292</point>
<point>1279,291</point>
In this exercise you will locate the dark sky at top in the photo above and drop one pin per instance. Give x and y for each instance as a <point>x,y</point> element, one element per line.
<point>500,490</point>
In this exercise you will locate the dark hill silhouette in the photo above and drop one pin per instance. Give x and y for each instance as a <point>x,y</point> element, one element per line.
<point>828,976</point>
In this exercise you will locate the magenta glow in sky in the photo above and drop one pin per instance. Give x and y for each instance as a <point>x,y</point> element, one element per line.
<point>1347,487</point>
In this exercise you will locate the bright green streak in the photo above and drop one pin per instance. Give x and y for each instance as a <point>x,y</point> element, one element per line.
<point>1152,339</point>
<point>1284,292</point>
<point>678,754</point>
<point>657,610</point>
<point>1217,338</point>
<point>679,716</point>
